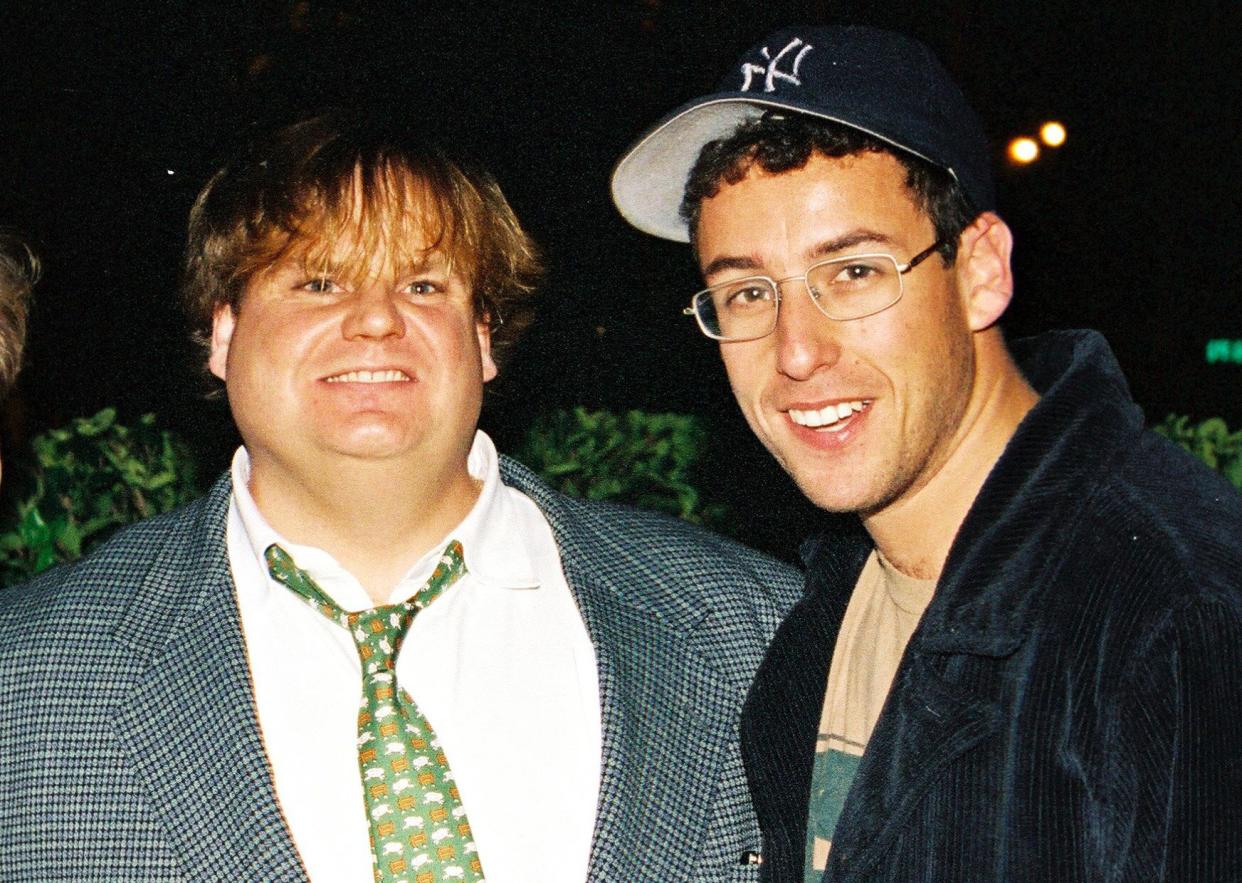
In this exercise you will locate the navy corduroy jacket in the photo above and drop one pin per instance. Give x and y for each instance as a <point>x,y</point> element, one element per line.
<point>1070,706</point>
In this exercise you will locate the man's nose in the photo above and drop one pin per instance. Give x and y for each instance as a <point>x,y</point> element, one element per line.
<point>806,339</point>
<point>375,313</point>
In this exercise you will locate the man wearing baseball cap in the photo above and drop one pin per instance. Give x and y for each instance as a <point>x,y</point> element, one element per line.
<point>1026,661</point>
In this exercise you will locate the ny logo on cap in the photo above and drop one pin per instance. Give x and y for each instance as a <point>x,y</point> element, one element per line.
<point>771,71</point>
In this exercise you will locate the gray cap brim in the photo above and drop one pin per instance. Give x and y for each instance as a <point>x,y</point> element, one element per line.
<point>649,180</point>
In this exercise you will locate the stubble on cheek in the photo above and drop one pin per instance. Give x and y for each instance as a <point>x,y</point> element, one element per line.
<point>931,420</point>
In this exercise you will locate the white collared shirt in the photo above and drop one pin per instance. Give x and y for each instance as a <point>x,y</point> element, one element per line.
<point>501,665</point>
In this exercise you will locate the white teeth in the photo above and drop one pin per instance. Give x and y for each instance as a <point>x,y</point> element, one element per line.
<point>390,376</point>
<point>827,415</point>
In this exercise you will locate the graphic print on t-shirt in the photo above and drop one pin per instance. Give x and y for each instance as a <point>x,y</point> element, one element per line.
<point>836,762</point>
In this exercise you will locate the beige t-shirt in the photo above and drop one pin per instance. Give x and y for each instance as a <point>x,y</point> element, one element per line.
<point>882,614</point>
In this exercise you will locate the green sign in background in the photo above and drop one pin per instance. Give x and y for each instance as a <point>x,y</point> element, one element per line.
<point>1223,351</point>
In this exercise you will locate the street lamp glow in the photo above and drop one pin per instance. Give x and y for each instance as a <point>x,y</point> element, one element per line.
<point>1023,150</point>
<point>1052,133</point>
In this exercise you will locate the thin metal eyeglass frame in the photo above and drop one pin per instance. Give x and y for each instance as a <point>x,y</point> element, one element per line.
<point>902,270</point>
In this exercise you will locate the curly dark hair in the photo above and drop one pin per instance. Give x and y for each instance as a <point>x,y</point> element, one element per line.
<point>780,142</point>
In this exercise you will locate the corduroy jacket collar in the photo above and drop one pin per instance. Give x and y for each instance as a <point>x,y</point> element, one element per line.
<point>985,598</point>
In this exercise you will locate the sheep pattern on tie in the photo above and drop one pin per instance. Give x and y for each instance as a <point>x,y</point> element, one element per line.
<point>419,830</point>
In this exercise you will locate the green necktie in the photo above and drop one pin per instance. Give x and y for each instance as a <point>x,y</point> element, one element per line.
<point>419,831</point>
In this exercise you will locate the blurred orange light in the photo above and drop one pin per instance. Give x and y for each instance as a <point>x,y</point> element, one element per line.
<point>1023,150</point>
<point>1052,134</point>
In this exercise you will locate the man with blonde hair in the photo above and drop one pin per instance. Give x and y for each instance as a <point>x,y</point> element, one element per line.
<point>376,649</point>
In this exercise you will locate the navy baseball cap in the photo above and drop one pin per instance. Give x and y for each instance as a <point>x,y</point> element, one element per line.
<point>885,84</point>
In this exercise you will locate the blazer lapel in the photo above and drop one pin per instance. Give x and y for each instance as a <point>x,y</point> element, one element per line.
<point>669,708</point>
<point>665,730</point>
<point>189,724</point>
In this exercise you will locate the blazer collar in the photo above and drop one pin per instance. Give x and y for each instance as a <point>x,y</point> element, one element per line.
<point>173,591</point>
<point>189,724</point>
<point>584,533</point>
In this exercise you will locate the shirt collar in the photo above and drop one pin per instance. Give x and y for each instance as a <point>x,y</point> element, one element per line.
<point>495,550</point>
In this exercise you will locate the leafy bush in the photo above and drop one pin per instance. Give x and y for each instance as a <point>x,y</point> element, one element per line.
<point>1210,441</point>
<point>87,480</point>
<point>646,460</point>
<point>97,475</point>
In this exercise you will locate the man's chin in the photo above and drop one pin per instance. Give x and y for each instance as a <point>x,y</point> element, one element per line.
<point>838,491</point>
<point>371,445</point>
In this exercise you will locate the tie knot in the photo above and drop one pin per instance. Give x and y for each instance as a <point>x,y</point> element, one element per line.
<point>377,632</point>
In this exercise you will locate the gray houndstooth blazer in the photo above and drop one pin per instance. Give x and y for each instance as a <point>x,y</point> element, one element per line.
<point>130,748</point>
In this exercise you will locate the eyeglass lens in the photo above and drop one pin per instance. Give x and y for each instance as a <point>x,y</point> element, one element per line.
<point>844,288</point>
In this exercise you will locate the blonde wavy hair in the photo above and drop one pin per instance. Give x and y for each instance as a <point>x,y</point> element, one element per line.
<point>377,188</point>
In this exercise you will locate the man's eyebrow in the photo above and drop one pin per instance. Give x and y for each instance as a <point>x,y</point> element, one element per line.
<point>849,240</point>
<point>824,249</point>
<point>730,263</point>
<point>429,262</point>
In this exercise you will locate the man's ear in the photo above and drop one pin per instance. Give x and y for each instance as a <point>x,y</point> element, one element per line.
<point>484,330</point>
<point>984,277</point>
<point>222,324</point>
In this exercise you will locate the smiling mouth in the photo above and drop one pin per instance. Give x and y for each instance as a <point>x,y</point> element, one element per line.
<point>830,417</point>
<point>388,376</point>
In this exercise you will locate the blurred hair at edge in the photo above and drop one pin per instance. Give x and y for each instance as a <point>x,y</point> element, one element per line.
<point>19,271</point>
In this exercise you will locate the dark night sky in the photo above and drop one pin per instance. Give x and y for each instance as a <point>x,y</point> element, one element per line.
<point>112,115</point>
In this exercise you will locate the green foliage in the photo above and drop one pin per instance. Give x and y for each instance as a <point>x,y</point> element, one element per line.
<point>645,460</point>
<point>1210,441</point>
<point>87,480</point>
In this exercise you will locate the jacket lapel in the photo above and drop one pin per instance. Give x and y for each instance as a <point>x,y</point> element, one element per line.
<point>781,718</point>
<point>189,725</point>
<point>934,712</point>
<point>668,712</point>
<point>927,723</point>
<point>664,732</point>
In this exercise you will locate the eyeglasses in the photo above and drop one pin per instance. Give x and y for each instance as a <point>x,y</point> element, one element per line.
<point>842,289</point>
